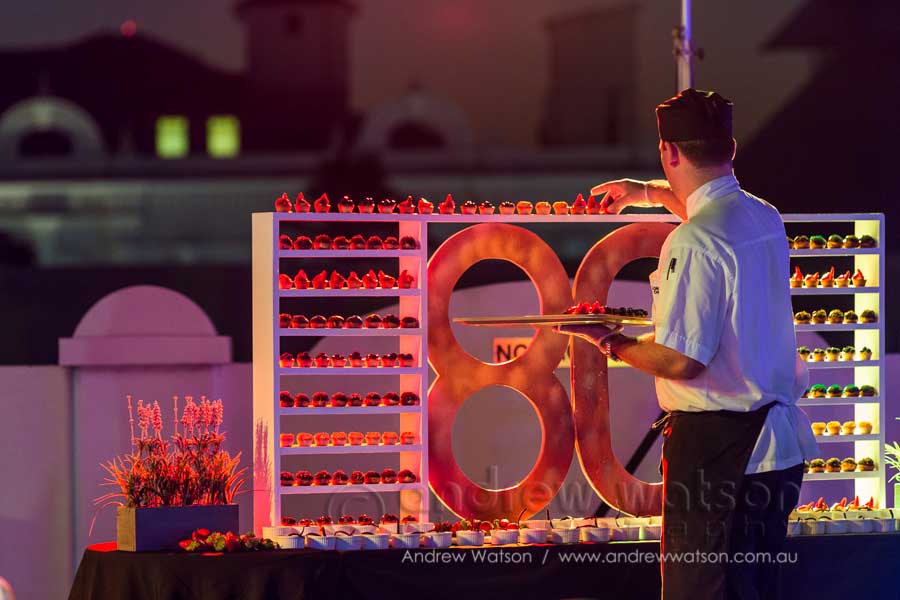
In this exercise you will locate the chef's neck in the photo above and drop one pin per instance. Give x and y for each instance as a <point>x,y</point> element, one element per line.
<point>686,179</point>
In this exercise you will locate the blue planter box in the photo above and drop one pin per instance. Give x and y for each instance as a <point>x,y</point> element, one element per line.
<point>147,529</point>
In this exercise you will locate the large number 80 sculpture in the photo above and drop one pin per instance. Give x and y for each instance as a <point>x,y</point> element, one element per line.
<point>580,425</point>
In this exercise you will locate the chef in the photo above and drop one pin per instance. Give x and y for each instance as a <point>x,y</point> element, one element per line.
<point>723,353</point>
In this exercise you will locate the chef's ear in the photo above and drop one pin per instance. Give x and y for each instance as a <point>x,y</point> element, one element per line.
<point>670,154</point>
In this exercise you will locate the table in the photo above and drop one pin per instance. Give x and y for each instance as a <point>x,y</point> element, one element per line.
<point>827,567</point>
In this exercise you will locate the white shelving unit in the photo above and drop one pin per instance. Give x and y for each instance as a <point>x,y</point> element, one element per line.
<point>871,372</point>
<point>269,378</point>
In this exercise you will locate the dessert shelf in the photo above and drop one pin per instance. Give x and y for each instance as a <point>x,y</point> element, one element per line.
<point>395,449</point>
<point>864,372</point>
<point>360,293</point>
<point>361,332</point>
<point>331,371</point>
<point>351,410</point>
<point>379,488</point>
<point>359,254</point>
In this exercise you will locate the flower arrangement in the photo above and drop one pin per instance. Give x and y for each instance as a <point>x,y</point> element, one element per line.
<point>202,540</point>
<point>190,468</point>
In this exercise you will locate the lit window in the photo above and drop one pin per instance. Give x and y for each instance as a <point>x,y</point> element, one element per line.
<point>172,137</point>
<point>223,136</point>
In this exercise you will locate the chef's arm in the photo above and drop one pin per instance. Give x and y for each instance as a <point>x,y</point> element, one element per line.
<point>622,193</point>
<point>644,354</point>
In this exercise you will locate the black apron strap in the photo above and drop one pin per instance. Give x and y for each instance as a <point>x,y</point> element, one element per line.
<point>705,455</point>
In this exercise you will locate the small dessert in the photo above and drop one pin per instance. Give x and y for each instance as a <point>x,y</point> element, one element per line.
<point>387,206</point>
<point>372,477</point>
<point>389,360</point>
<point>804,352</point>
<point>802,317</point>
<point>817,242</point>
<point>322,242</point>
<point>338,438</point>
<point>850,391</point>
<point>858,279</point>
<point>284,320</point>
<point>835,316</point>
<point>303,478</point>
<point>561,208</point>
<point>833,428</point>
<point>356,438</point>
<point>579,207</point>
<point>346,519</point>
<point>284,204</point>
<point>468,208</point>
<point>865,353</point>
<point>406,476</point>
<point>373,438</point>
<point>847,353</point>
<point>817,465</point>
<point>408,242</point>
<point>842,281</point>
<point>405,281</point>
<point>801,242</point>
<point>373,360</point>
<point>819,316</point>
<point>338,360</point>
<point>447,206</point>
<point>339,399</point>
<point>867,390</point>
<point>285,282</point>
<point>299,322</point>
<point>353,322</point>
<point>797,279</point>
<point>335,322</point>
<point>868,316</point>
<point>850,317</point>
<point>389,519</point>
<point>827,279</point>
<point>595,206</point>
<point>390,438</point>
<point>355,359</point>
<point>301,400</point>
<point>406,359</point>
<point>339,478</point>
<point>321,439</point>
<point>409,399</point>
<point>851,241</point>
<point>374,243</point>
<point>303,242</point>
<point>373,399</point>
<point>320,281</point>
<point>811,281</point>
<point>407,438</point>
<point>833,465</point>
<point>542,208</point>
<point>390,322</point>
<point>301,204</point>
<point>286,360</point>
<point>386,281</point>
<point>324,520</point>
<point>301,281</point>
<point>353,281</point>
<point>322,477</point>
<point>524,207</point>
<point>832,354</point>
<point>287,478</point>
<point>365,519</point>
<point>848,427</point>
<point>357,242</point>
<point>320,399</point>
<point>318,322</point>
<point>373,321</point>
<point>304,359</point>
<point>817,391</point>
<point>354,399</point>
<point>286,440</point>
<point>486,208</point>
<point>833,391</point>
<point>847,465</point>
<point>391,243</point>
<point>834,241</point>
<point>507,208</point>
<point>285,399</point>
<point>818,428</point>
<point>866,464</point>
<point>367,205</point>
<point>391,399</point>
<point>425,207</point>
<point>370,280</point>
<point>409,323</point>
<point>867,241</point>
<point>388,476</point>
<point>340,243</point>
<point>406,207</point>
<point>285,242</point>
<point>346,205</point>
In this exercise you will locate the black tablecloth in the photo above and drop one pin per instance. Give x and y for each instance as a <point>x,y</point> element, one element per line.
<point>827,567</point>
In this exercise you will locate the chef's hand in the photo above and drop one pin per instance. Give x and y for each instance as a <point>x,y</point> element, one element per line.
<point>620,194</point>
<point>594,334</point>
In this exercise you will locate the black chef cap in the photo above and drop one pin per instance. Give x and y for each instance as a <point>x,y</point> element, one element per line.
<point>695,115</point>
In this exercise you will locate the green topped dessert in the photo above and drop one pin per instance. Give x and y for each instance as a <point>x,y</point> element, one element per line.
<point>851,391</point>
<point>866,464</point>
<point>835,241</point>
<point>816,465</point>
<point>865,353</point>
<point>834,391</point>
<point>801,242</point>
<point>833,465</point>
<point>804,352</point>
<point>819,316</point>
<point>867,390</point>
<point>817,242</point>
<point>851,241</point>
<point>817,391</point>
<point>867,241</point>
<point>868,316</point>
<point>850,317</point>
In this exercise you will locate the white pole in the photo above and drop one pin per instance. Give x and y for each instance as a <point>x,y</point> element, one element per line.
<point>684,49</point>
